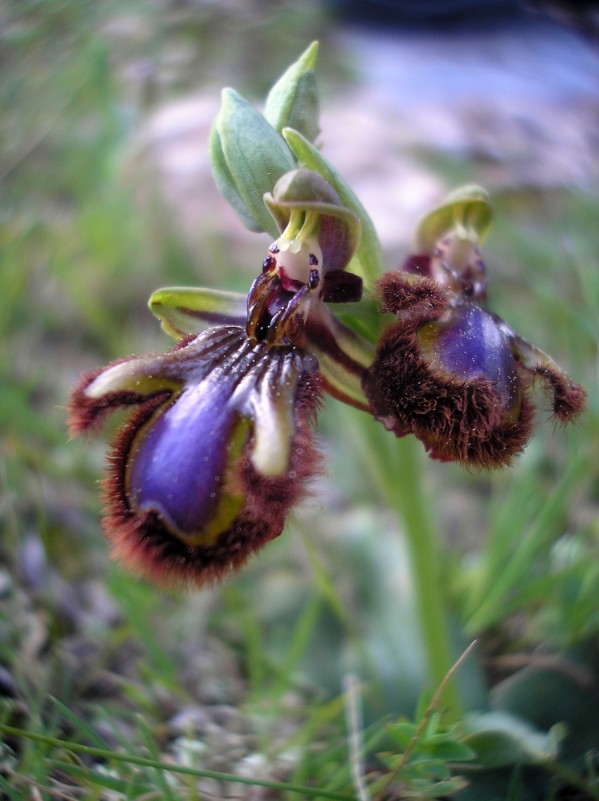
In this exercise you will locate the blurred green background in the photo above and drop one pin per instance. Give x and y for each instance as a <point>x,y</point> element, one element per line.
<point>106,196</point>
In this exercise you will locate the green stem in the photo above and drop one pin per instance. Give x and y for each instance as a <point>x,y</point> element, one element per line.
<point>404,492</point>
<point>396,468</point>
<point>133,759</point>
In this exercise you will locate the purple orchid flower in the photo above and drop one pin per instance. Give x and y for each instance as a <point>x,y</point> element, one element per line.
<point>448,371</point>
<point>218,446</point>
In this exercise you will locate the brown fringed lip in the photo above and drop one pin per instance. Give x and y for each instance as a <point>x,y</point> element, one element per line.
<point>457,377</point>
<point>207,466</point>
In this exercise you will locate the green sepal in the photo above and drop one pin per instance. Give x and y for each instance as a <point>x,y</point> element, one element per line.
<point>342,365</point>
<point>368,260</point>
<point>465,212</point>
<point>189,310</point>
<point>248,157</point>
<point>293,100</point>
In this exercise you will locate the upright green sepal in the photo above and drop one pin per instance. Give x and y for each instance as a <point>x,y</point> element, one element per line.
<point>248,157</point>
<point>293,100</point>
<point>466,212</point>
<point>368,260</point>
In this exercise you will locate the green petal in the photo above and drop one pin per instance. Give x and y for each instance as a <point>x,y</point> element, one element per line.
<point>368,259</point>
<point>342,358</point>
<point>307,190</point>
<point>189,310</point>
<point>339,382</point>
<point>466,212</point>
<point>499,738</point>
<point>293,100</point>
<point>248,158</point>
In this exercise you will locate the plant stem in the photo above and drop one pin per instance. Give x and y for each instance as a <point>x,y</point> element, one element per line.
<point>396,468</point>
<point>167,767</point>
<point>405,493</point>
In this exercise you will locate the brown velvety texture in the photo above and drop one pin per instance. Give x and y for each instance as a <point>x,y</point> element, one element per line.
<point>402,293</point>
<point>144,545</point>
<point>456,420</point>
<point>465,420</point>
<point>569,398</point>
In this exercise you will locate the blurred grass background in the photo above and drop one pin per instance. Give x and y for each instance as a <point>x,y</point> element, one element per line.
<point>251,671</point>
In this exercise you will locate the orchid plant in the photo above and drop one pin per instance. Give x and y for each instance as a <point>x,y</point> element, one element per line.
<point>218,445</point>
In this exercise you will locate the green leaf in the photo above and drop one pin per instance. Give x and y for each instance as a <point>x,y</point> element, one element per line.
<point>184,770</point>
<point>564,693</point>
<point>293,100</point>
<point>11,794</point>
<point>434,746</point>
<point>248,157</point>
<point>448,749</point>
<point>402,732</point>
<point>500,739</point>
<point>504,784</point>
<point>517,545</point>
<point>368,259</point>
<point>95,778</point>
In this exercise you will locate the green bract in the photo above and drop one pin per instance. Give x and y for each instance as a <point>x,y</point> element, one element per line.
<point>293,100</point>
<point>248,157</point>
<point>247,151</point>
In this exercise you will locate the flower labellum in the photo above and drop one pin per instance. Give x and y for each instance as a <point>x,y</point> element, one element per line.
<point>218,446</point>
<point>448,371</point>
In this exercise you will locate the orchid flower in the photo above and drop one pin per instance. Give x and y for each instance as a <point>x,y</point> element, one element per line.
<point>218,446</point>
<point>448,370</point>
